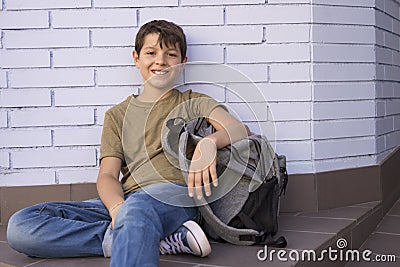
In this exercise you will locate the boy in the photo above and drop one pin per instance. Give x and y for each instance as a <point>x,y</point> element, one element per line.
<point>129,212</point>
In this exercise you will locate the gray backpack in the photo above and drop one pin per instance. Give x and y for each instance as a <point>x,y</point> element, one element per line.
<point>243,209</point>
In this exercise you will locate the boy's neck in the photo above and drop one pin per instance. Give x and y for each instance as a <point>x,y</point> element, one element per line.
<point>150,94</point>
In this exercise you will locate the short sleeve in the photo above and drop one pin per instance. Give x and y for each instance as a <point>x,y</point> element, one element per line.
<point>111,138</point>
<point>202,105</point>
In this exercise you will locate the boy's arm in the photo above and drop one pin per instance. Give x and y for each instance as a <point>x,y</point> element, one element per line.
<point>108,185</point>
<point>203,164</point>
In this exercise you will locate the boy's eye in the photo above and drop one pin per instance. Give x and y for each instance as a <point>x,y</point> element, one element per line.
<point>172,55</point>
<point>150,53</point>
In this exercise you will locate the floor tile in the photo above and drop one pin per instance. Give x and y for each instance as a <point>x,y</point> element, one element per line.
<point>389,224</point>
<point>73,262</point>
<point>380,243</point>
<point>306,240</point>
<point>396,209</point>
<point>233,256</point>
<point>339,213</point>
<point>10,257</point>
<point>316,225</point>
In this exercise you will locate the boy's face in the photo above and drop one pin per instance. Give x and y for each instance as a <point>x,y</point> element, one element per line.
<point>156,64</point>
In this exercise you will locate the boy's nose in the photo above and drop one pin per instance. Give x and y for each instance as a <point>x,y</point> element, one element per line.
<point>160,59</point>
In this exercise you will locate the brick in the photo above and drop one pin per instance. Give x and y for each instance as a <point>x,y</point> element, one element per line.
<point>100,112</point>
<point>114,37</point>
<point>383,55</point>
<point>343,34</point>
<point>392,9</point>
<point>238,92</point>
<point>288,33</point>
<point>209,53</point>
<point>344,163</point>
<point>344,110</point>
<point>51,77</point>
<point>249,111</point>
<point>27,178</point>
<point>292,131</point>
<point>224,34</point>
<point>136,3</point>
<point>396,124</point>
<point>344,91</point>
<point>25,98</point>
<point>344,72</point>
<point>25,138</point>
<point>268,53</point>
<point>392,73</point>
<point>24,19</point>
<point>217,73</point>
<point>93,57</point>
<point>46,38</point>
<point>185,16</point>
<point>383,21</point>
<point>344,147</point>
<point>77,176</point>
<point>391,41</point>
<point>392,140</point>
<point>360,3</point>
<point>290,72</point>
<point>91,96</point>
<point>77,136</point>
<point>384,125</point>
<point>380,108</point>
<point>300,167</point>
<point>343,15</point>
<point>380,144</point>
<point>46,4</point>
<point>250,72</point>
<point>3,79</point>
<point>220,2</point>
<point>343,53</point>
<point>53,158</point>
<point>24,59</point>
<point>384,90</point>
<point>4,159</point>
<point>94,18</point>
<point>295,150</point>
<point>271,14</point>
<point>3,119</point>
<point>52,117</point>
<point>393,107</point>
<point>344,128</point>
<point>119,76</point>
<point>290,111</point>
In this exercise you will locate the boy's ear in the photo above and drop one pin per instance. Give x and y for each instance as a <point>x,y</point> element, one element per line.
<point>135,58</point>
<point>182,65</point>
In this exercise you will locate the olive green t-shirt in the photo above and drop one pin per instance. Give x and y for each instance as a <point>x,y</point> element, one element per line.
<point>132,132</point>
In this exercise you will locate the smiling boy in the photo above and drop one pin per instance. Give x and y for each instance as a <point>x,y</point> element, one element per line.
<point>139,224</point>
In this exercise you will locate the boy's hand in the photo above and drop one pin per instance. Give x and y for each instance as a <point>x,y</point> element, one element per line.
<point>203,168</point>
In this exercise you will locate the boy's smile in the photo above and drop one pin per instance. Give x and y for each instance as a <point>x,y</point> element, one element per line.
<point>156,64</point>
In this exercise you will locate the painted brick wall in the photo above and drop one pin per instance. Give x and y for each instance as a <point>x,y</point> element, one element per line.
<point>329,70</point>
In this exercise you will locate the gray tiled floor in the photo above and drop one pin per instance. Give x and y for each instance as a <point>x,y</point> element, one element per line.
<point>304,231</point>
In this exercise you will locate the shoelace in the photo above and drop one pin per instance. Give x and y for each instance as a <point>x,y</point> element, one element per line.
<point>173,244</point>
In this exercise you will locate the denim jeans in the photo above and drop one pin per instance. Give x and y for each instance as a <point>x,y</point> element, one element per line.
<point>76,229</point>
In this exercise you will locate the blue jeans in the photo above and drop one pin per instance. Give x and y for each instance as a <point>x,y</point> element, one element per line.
<point>76,229</point>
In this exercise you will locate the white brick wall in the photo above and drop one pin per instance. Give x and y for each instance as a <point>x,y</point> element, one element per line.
<point>329,71</point>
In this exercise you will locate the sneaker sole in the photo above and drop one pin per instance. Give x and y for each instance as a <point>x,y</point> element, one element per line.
<point>200,238</point>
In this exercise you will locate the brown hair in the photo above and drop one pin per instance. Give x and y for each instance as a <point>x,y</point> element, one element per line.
<point>170,35</point>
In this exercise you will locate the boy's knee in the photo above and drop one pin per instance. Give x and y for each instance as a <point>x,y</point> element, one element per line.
<point>18,232</point>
